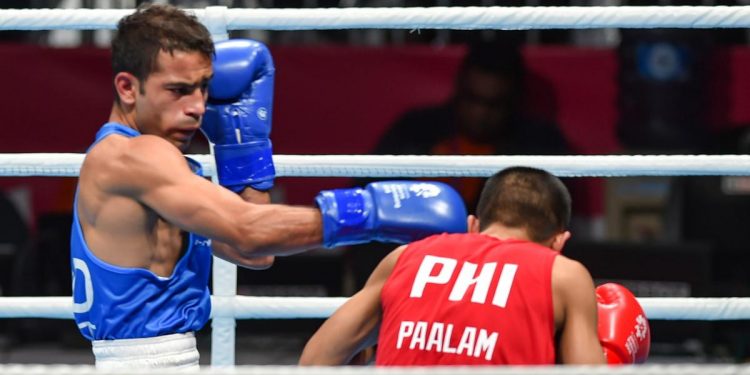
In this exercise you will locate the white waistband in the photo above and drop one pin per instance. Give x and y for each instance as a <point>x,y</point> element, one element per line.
<point>177,350</point>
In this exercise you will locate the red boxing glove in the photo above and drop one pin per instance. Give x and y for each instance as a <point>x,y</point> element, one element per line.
<point>623,328</point>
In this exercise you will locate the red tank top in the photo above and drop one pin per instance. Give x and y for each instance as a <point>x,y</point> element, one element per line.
<point>468,299</point>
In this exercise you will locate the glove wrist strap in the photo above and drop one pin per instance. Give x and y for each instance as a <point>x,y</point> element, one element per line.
<point>245,164</point>
<point>346,214</point>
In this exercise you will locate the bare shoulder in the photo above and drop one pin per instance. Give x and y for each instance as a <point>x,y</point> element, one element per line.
<point>115,150</point>
<point>120,161</point>
<point>385,267</point>
<point>390,260</point>
<point>569,275</point>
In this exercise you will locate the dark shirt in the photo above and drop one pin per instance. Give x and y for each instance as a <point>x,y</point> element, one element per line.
<point>417,132</point>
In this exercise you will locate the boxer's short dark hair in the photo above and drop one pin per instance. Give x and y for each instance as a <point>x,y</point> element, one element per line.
<point>153,28</point>
<point>528,198</point>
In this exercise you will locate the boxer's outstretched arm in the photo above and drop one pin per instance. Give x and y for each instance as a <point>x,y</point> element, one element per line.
<point>155,173</point>
<point>354,325</point>
<point>579,340</point>
<point>228,253</point>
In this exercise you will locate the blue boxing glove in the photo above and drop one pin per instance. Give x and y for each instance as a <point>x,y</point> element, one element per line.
<point>390,211</point>
<point>238,114</point>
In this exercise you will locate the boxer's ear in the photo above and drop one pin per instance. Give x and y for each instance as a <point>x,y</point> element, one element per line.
<point>472,223</point>
<point>559,240</point>
<point>126,86</point>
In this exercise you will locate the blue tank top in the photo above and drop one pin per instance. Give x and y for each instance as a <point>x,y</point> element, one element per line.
<point>111,302</point>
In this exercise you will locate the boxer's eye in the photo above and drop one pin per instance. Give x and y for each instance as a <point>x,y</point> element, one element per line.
<point>181,91</point>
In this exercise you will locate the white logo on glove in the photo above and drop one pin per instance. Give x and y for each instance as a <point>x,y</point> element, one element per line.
<point>399,192</point>
<point>425,190</point>
<point>641,327</point>
<point>634,340</point>
<point>262,113</point>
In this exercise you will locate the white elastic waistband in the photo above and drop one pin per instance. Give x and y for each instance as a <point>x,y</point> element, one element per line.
<point>178,350</point>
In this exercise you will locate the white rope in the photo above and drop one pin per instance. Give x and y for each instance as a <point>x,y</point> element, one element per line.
<point>36,307</point>
<point>656,369</point>
<point>468,18</point>
<point>68,165</point>
<point>60,19</point>
<point>244,307</point>
<point>506,18</point>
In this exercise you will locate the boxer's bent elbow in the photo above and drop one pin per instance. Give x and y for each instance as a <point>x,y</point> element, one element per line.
<point>245,259</point>
<point>257,263</point>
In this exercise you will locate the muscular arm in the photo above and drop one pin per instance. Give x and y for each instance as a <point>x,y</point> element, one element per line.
<point>154,173</point>
<point>228,253</point>
<point>354,325</point>
<point>575,303</point>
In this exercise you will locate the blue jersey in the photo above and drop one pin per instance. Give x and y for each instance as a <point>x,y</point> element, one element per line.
<point>111,302</point>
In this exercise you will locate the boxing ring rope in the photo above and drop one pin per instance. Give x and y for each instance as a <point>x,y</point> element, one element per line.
<point>219,20</point>
<point>245,307</point>
<point>464,18</point>
<point>68,165</point>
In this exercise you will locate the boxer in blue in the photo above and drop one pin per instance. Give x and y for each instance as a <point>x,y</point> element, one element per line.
<point>146,222</point>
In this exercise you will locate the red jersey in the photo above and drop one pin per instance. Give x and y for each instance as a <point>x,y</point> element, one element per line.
<point>468,299</point>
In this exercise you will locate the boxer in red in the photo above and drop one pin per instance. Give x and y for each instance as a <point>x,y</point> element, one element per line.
<point>500,294</point>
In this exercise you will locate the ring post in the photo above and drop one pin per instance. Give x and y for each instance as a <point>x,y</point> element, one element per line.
<point>224,273</point>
